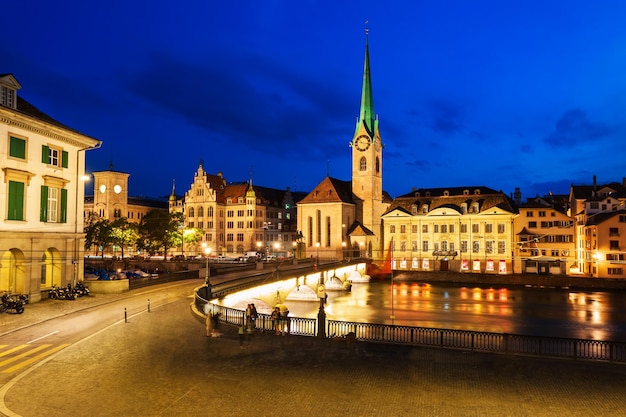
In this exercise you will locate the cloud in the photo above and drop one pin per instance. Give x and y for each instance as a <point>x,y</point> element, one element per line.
<point>445,116</point>
<point>574,127</point>
<point>249,100</point>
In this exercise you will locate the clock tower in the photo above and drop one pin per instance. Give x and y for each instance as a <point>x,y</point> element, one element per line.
<point>110,194</point>
<point>367,166</point>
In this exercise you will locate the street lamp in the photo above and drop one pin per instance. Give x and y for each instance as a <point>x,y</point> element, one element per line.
<point>317,256</point>
<point>321,293</point>
<point>392,265</point>
<point>207,274</point>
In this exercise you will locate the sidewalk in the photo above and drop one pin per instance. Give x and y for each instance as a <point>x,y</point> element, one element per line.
<point>292,375</point>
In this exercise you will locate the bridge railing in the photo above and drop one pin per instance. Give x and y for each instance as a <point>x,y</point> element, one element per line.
<point>513,344</point>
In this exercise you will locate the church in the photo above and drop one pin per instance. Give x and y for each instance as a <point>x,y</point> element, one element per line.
<point>343,219</point>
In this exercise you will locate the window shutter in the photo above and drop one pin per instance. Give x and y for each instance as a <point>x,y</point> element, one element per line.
<point>45,154</point>
<point>16,200</point>
<point>43,213</point>
<point>63,205</point>
<point>17,148</point>
<point>64,158</point>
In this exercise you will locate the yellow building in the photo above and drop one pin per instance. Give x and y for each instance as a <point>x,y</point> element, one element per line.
<point>343,219</point>
<point>110,199</point>
<point>43,167</point>
<point>545,237</point>
<point>466,229</point>
<point>236,218</point>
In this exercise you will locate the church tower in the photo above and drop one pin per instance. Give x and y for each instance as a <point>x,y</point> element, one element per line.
<point>367,164</point>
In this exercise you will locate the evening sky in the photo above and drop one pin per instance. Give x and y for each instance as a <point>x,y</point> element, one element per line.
<point>504,94</point>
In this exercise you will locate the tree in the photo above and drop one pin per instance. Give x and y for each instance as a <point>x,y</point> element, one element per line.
<point>159,230</point>
<point>123,233</point>
<point>97,233</point>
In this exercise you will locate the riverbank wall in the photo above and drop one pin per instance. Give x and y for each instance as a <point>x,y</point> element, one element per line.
<point>533,280</point>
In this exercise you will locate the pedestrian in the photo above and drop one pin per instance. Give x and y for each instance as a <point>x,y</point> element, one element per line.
<point>276,320</point>
<point>249,317</point>
<point>242,335</point>
<point>253,316</point>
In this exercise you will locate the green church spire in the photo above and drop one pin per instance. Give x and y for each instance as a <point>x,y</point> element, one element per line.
<point>367,117</point>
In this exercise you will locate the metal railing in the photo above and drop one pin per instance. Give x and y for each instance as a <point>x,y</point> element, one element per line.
<point>512,344</point>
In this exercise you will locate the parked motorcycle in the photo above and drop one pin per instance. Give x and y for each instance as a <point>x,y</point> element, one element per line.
<point>80,290</point>
<point>61,293</point>
<point>11,302</point>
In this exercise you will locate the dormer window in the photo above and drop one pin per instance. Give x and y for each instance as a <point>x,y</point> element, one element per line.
<point>464,208</point>
<point>476,191</point>
<point>427,194</point>
<point>8,91</point>
<point>446,193</point>
<point>465,192</point>
<point>8,97</point>
<point>414,209</point>
<point>425,208</point>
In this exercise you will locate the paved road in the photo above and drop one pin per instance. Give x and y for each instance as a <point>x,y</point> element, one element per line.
<point>162,364</point>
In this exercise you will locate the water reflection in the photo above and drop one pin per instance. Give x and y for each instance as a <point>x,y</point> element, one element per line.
<point>529,311</point>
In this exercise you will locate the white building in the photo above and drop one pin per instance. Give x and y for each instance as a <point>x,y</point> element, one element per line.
<point>41,196</point>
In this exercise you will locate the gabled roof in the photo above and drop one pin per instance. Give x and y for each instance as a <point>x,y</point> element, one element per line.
<point>357,229</point>
<point>330,190</point>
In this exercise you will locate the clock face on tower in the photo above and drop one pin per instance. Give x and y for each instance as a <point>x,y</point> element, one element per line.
<point>362,143</point>
<point>103,188</point>
<point>117,188</point>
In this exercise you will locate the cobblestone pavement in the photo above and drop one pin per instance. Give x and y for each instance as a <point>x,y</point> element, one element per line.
<point>298,376</point>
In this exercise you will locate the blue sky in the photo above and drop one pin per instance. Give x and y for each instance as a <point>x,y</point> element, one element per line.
<point>528,94</point>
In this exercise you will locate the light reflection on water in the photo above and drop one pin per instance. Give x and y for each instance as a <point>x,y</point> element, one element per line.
<point>529,311</point>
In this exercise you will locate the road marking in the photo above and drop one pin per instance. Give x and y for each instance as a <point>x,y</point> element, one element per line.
<point>15,349</point>
<point>35,358</point>
<point>23,355</point>
<point>42,337</point>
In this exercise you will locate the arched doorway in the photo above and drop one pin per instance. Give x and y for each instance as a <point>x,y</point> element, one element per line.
<point>51,268</point>
<point>12,274</point>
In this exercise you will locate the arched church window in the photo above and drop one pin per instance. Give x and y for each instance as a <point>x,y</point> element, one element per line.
<point>200,211</point>
<point>191,212</point>
<point>362,164</point>
<point>377,165</point>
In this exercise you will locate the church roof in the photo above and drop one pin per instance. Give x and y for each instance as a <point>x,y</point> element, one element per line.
<point>330,190</point>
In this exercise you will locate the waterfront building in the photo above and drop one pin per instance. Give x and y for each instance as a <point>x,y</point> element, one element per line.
<point>43,169</point>
<point>545,236</point>
<point>599,211</point>
<point>463,229</point>
<point>236,218</point>
<point>343,218</point>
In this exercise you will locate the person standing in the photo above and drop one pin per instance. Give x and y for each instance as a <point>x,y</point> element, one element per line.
<point>253,316</point>
<point>249,317</point>
<point>276,320</point>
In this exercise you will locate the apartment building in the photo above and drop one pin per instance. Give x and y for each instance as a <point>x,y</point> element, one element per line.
<point>43,168</point>
<point>545,237</point>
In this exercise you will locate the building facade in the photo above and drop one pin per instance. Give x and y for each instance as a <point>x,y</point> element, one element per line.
<point>463,229</point>
<point>599,214</point>
<point>344,219</point>
<point>236,218</point>
<point>110,199</point>
<point>545,237</point>
<point>42,192</point>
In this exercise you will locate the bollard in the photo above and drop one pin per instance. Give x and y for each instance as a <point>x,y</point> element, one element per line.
<point>148,305</point>
<point>125,316</point>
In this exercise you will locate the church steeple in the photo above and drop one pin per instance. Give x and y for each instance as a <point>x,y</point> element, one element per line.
<point>367,117</point>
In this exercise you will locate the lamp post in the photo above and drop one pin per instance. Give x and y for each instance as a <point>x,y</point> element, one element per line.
<point>392,265</point>
<point>321,293</point>
<point>207,274</point>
